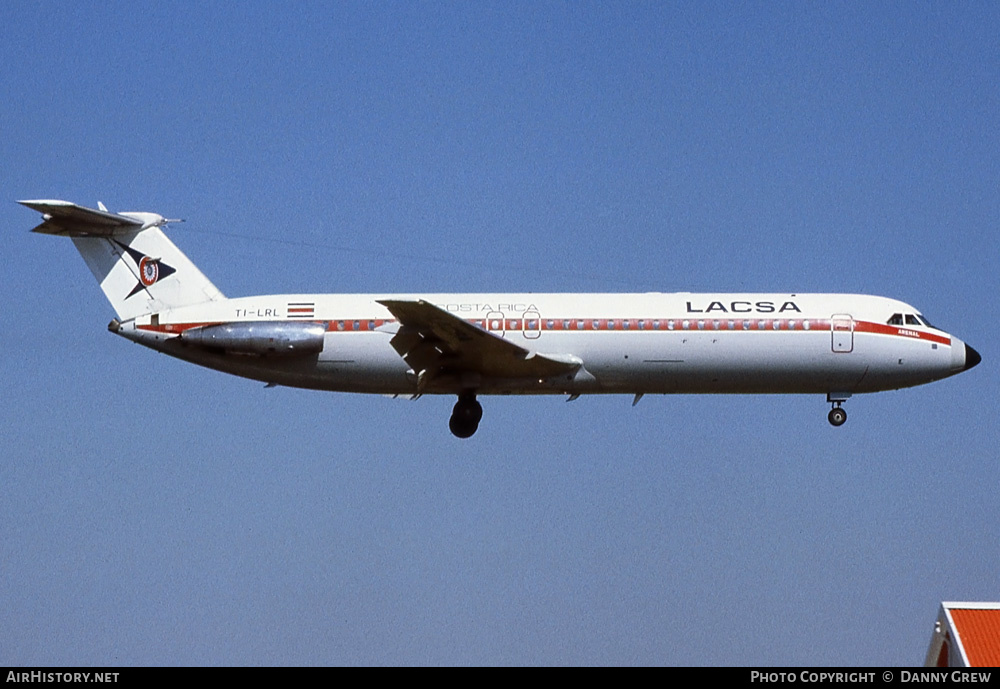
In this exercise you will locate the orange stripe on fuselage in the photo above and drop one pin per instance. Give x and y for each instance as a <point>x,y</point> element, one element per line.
<point>816,325</point>
<point>897,331</point>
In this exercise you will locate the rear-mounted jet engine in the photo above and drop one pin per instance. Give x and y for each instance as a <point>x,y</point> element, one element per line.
<point>264,338</point>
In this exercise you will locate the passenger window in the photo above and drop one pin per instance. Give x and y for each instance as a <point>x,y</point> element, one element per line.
<point>897,319</point>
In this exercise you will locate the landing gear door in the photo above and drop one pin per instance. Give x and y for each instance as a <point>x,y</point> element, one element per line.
<point>842,333</point>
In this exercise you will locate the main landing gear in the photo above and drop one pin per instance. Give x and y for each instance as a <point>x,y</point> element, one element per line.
<point>466,415</point>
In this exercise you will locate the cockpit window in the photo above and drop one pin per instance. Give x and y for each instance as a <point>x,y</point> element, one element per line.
<point>925,321</point>
<point>897,319</point>
<point>912,320</point>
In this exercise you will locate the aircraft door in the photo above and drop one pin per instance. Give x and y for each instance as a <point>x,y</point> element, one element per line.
<point>531,324</point>
<point>842,333</point>
<point>496,323</point>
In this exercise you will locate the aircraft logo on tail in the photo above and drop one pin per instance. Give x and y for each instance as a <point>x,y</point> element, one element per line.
<point>151,270</point>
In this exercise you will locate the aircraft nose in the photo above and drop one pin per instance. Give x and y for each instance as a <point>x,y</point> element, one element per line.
<point>972,358</point>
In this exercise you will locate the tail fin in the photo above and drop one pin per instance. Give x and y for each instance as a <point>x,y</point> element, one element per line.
<point>138,267</point>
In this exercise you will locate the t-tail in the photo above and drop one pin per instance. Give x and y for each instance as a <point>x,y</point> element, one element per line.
<point>137,266</point>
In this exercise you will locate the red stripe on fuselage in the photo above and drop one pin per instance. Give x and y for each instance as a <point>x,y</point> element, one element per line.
<point>815,325</point>
<point>897,331</point>
<point>176,328</point>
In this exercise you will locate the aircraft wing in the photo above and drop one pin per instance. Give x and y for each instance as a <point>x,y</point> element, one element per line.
<point>68,219</point>
<point>432,341</point>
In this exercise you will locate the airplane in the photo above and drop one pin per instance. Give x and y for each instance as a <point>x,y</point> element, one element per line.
<point>467,345</point>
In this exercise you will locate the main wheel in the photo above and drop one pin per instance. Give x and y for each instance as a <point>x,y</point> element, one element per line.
<point>837,416</point>
<point>465,416</point>
<point>461,428</point>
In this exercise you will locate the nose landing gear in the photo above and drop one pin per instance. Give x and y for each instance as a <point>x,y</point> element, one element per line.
<point>837,416</point>
<point>465,416</point>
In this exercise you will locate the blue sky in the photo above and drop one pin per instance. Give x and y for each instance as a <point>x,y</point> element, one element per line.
<point>153,512</point>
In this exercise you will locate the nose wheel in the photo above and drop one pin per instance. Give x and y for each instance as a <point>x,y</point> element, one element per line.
<point>465,416</point>
<point>837,416</point>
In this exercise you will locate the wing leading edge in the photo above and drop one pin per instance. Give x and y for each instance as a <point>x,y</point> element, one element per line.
<point>433,341</point>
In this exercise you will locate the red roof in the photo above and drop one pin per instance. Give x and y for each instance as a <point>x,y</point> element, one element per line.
<point>978,630</point>
<point>966,635</point>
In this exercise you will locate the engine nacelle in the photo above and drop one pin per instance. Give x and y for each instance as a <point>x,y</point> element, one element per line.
<point>259,338</point>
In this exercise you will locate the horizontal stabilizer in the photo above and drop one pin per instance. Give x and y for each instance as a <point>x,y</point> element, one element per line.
<point>70,220</point>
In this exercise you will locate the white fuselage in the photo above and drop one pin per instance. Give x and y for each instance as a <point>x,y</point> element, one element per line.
<point>838,344</point>
<point>504,344</point>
